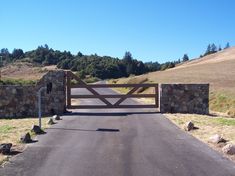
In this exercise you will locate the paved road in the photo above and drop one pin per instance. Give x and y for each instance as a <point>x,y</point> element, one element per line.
<point>128,143</point>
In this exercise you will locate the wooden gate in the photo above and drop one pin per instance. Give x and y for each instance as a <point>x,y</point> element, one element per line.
<point>107,104</point>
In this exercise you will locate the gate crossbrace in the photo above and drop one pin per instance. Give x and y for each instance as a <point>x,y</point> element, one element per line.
<point>92,90</point>
<point>124,98</point>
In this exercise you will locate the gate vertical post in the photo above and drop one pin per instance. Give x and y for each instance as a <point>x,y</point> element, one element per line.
<point>156,96</point>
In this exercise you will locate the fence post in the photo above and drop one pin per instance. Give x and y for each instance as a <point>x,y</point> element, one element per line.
<point>39,106</point>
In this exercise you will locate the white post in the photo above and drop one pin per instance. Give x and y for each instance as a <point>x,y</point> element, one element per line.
<point>39,106</point>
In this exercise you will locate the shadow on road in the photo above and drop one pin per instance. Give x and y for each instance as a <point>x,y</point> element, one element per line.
<point>77,129</point>
<point>107,130</point>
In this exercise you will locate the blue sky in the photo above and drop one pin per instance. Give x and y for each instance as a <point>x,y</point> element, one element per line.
<point>152,30</point>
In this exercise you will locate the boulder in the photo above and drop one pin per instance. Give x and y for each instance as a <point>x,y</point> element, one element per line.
<point>216,139</point>
<point>229,149</point>
<point>26,138</point>
<point>189,126</point>
<point>50,122</point>
<point>5,148</point>
<point>56,117</point>
<point>36,129</point>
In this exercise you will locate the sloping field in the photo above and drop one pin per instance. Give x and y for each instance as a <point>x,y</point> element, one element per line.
<point>217,69</point>
<point>24,71</point>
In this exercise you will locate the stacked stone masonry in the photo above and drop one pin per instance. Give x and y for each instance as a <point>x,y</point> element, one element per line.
<point>184,98</point>
<point>22,101</point>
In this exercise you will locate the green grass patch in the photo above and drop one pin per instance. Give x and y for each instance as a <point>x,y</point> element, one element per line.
<point>6,129</point>
<point>86,80</point>
<point>17,82</point>
<point>91,80</point>
<point>221,102</point>
<point>224,121</point>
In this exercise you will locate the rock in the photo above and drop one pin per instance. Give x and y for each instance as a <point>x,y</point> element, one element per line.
<point>36,129</point>
<point>50,122</point>
<point>229,149</point>
<point>189,126</point>
<point>26,138</point>
<point>216,139</point>
<point>56,117</point>
<point>5,148</point>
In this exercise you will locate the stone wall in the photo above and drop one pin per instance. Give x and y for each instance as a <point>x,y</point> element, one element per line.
<point>22,101</point>
<point>184,98</point>
<point>17,101</point>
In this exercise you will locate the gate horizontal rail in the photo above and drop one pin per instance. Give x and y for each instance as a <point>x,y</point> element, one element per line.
<point>113,85</point>
<point>109,107</point>
<point>115,96</point>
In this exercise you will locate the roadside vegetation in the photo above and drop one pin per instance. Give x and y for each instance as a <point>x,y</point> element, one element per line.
<point>10,81</point>
<point>223,102</point>
<point>207,127</point>
<point>12,129</point>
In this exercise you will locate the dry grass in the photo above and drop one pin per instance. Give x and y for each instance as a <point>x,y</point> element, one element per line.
<point>75,101</point>
<point>208,126</point>
<point>131,80</point>
<point>134,80</point>
<point>24,71</point>
<point>12,129</point>
<point>220,75</point>
<point>216,69</point>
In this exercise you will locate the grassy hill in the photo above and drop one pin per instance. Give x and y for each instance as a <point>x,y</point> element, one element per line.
<point>217,69</point>
<point>24,71</point>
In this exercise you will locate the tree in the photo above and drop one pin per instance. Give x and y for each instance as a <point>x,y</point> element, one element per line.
<point>213,49</point>
<point>128,61</point>
<point>219,48</point>
<point>208,50</point>
<point>127,57</point>
<point>17,54</point>
<point>46,46</point>
<point>79,54</point>
<point>185,58</point>
<point>152,66</point>
<point>227,45</point>
<point>4,51</point>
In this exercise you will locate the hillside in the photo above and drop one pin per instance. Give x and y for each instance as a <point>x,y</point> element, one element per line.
<point>24,71</point>
<point>217,69</point>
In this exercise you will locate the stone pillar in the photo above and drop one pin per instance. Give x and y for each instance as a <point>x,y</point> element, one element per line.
<point>53,102</point>
<point>184,98</point>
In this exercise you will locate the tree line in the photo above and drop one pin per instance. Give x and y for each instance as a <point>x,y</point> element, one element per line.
<point>102,67</point>
<point>212,48</point>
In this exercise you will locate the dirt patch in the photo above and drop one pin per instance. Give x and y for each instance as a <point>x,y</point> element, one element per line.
<point>207,127</point>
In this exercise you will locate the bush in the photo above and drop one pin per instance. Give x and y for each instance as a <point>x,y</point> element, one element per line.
<point>91,80</point>
<point>17,82</point>
<point>231,112</point>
